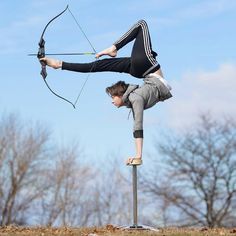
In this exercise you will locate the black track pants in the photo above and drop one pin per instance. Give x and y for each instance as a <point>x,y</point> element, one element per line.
<point>142,60</point>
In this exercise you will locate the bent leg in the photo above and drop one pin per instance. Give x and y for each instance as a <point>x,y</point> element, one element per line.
<point>143,58</point>
<point>111,64</point>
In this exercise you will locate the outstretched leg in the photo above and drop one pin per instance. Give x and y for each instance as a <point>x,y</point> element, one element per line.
<point>109,64</point>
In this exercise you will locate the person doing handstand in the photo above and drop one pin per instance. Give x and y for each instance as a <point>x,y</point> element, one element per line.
<point>141,64</point>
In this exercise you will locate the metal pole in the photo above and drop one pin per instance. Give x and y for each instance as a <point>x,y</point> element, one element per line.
<point>135,197</point>
<point>135,225</point>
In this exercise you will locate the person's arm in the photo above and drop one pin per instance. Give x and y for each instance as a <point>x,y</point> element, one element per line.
<point>137,108</point>
<point>139,147</point>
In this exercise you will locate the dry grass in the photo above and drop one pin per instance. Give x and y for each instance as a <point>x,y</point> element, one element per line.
<point>110,230</point>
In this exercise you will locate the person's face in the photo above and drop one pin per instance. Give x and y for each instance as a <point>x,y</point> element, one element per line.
<point>117,101</point>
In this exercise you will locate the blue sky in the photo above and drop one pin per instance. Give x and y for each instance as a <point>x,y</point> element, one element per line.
<point>195,40</point>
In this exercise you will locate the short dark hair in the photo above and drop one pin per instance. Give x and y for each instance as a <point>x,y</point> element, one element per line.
<point>117,89</point>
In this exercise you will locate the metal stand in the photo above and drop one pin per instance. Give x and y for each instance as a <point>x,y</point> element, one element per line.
<point>135,197</point>
<point>135,225</point>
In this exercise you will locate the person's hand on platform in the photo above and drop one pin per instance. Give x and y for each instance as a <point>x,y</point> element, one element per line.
<point>134,161</point>
<point>54,63</point>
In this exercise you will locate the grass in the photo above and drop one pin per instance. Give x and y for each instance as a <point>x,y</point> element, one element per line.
<point>110,230</point>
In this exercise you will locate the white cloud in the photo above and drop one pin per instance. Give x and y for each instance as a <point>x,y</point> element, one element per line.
<point>19,31</point>
<point>193,11</point>
<point>14,36</point>
<point>207,8</point>
<point>203,91</point>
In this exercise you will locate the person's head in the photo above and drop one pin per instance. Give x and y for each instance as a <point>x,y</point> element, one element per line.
<point>116,91</point>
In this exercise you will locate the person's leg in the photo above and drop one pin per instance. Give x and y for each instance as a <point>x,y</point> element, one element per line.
<point>142,57</point>
<point>134,32</point>
<point>111,64</point>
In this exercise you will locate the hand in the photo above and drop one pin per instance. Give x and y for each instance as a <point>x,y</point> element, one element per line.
<point>54,63</point>
<point>134,161</point>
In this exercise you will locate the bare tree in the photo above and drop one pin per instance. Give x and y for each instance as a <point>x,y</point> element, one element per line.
<point>199,179</point>
<point>112,194</point>
<point>66,202</point>
<point>22,149</point>
<point>83,196</point>
<point>43,184</point>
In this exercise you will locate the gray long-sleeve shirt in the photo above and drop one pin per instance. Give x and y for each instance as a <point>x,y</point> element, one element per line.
<point>143,97</point>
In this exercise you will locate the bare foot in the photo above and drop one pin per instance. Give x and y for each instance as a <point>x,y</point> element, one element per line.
<point>111,51</point>
<point>54,63</point>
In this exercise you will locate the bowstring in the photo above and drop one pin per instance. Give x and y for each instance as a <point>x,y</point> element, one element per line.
<point>94,63</point>
<point>86,80</point>
<point>76,21</point>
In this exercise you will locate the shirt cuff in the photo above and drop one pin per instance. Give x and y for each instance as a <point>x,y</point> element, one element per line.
<point>138,134</point>
<point>63,66</point>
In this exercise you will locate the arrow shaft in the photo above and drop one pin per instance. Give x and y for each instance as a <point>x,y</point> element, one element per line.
<point>65,54</point>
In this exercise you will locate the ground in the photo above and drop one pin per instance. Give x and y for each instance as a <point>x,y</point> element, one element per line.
<point>111,230</point>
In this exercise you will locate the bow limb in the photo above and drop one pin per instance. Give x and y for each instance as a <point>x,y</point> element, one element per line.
<point>58,95</point>
<point>41,54</point>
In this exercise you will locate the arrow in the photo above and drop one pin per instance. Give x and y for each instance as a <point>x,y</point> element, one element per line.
<point>65,54</point>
